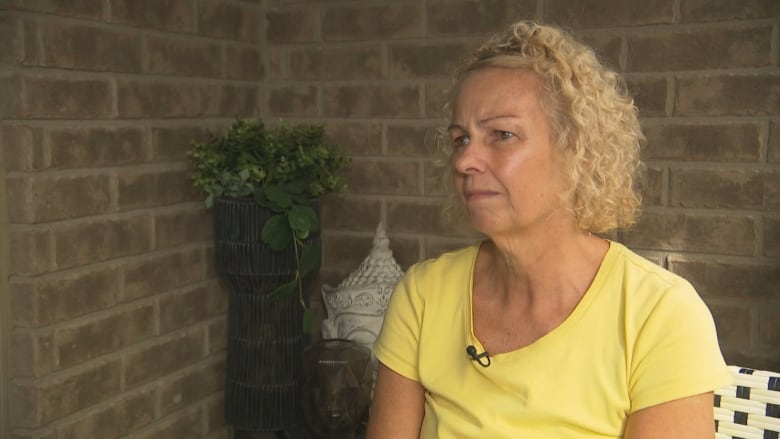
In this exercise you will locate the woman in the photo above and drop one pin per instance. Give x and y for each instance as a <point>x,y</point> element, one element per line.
<point>544,330</point>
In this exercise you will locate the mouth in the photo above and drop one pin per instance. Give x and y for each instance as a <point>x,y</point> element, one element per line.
<point>478,194</point>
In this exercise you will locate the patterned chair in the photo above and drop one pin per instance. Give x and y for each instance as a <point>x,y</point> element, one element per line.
<point>749,409</point>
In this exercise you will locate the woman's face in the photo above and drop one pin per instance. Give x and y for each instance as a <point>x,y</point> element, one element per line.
<point>506,168</point>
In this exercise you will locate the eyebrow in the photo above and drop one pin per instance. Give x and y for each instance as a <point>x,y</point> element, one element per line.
<point>481,122</point>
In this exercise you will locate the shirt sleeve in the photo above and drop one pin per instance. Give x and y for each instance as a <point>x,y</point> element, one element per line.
<point>676,353</point>
<point>397,344</point>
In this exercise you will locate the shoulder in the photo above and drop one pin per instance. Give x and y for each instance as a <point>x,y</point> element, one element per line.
<point>647,276</point>
<point>461,258</point>
<point>433,277</point>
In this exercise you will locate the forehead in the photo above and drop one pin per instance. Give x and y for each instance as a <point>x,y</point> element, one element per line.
<point>492,90</point>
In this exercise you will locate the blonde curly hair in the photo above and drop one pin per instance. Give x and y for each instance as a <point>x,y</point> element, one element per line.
<point>592,118</point>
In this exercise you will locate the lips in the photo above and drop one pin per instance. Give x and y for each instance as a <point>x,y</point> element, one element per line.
<point>478,194</point>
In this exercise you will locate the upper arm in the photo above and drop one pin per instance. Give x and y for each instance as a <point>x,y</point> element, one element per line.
<point>685,418</point>
<point>398,406</point>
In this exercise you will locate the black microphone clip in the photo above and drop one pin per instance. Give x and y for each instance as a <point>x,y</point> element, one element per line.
<point>471,351</point>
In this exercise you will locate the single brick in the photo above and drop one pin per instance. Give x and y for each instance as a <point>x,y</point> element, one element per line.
<point>219,19</point>
<point>90,48</point>
<point>406,251</point>
<point>60,197</point>
<point>244,63</point>
<point>414,61</point>
<point>724,189</point>
<point>30,251</point>
<point>145,99</point>
<point>609,13</point>
<point>733,323</point>
<point>22,147</point>
<point>172,143</point>
<point>185,308</point>
<point>96,147</point>
<point>404,140</point>
<point>231,100</point>
<point>155,188</point>
<point>731,142</point>
<point>728,95</point>
<point>382,177</point>
<point>469,17</point>
<point>183,57</point>
<point>699,49</point>
<point>337,63</point>
<point>11,44</point>
<point>217,335</point>
<point>183,226</point>
<point>426,218</point>
<point>298,101</point>
<point>25,412</point>
<point>188,388</point>
<point>61,98</point>
<point>608,48</point>
<point>390,21</point>
<point>84,341</point>
<point>437,178</point>
<point>82,8</point>
<point>771,236</point>
<point>215,414</point>
<point>717,10</point>
<point>351,213</point>
<point>31,353</point>
<point>24,304</point>
<point>721,234</point>
<point>653,187</point>
<point>121,417</point>
<point>385,101</point>
<point>172,15</point>
<point>291,25</point>
<point>155,275</point>
<point>344,253</point>
<point>355,138</point>
<point>727,279</point>
<point>10,105</point>
<point>61,297</point>
<point>774,142</point>
<point>436,94</point>
<point>184,424</point>
<point>769,327</point>
<point>649,95</point>
<point>77,390</point>
<point>162,357</point>
<point>99,240</point>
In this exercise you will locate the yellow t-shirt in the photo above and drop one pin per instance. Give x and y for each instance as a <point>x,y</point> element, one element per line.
<point>640,336</point>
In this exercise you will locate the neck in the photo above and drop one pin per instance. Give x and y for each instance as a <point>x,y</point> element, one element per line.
<point>542,268</point>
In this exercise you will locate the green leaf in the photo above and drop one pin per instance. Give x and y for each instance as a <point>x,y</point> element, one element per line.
<point>278,196</point>
<point>310,260</point>
<point>303,220</point>
<point>276,232</point>
<point>308,321</point>
<point>284,290</point>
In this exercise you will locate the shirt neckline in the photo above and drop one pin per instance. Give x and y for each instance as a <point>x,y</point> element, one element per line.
<point>605,267</point>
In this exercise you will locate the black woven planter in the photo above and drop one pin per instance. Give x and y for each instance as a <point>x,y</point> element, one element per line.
<point>265,337</point>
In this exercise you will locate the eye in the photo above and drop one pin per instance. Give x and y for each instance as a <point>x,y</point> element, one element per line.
<point>504,135</point>
<point>461,141</point>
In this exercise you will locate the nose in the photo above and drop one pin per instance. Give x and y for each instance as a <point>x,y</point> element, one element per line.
<point>469,159</point>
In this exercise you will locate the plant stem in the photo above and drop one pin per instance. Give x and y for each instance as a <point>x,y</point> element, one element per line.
<point>297,243</point>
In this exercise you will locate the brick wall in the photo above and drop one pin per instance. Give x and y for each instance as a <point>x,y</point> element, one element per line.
<point>118,320</point>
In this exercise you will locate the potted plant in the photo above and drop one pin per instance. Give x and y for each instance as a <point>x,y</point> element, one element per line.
<point>264,185</point>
